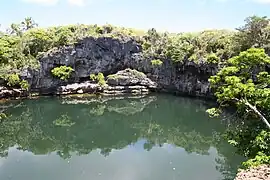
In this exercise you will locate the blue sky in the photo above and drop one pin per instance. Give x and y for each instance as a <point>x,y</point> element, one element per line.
<point>164,15</point>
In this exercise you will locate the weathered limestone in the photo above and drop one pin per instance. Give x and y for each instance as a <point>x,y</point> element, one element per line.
<point>257,173</point>
<point>78,88</point>
<point>6,93</point>
<point>108,55</point>
<point>126,81</point>
<point>129,77</point>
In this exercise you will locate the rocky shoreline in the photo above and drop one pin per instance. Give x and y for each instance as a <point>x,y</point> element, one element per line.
<point>127,81</point>
<point>256,173</point>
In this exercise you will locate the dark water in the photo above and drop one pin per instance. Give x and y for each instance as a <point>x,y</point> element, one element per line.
<point>150,138</point>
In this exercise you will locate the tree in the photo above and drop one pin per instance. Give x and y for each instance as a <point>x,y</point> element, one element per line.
<point>28,23</point>
<point>15,29</point>
<point>38,40</point>
<point>244,83</point>
<point>255,33</point>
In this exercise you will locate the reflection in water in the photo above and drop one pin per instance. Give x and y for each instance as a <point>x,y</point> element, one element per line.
<point>152,137</point>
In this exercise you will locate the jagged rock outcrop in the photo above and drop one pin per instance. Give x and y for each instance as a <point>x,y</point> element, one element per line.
<point>256,173</point>
<point>108,55</point>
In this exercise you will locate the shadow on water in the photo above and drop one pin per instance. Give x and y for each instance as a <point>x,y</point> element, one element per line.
<point>151,133</point>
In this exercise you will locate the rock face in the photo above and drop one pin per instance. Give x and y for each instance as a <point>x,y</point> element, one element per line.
<point>126,81</point>
<point>109,55</point>
<point>258,173</point>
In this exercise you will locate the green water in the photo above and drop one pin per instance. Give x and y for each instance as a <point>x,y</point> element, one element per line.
<point>149,138</point>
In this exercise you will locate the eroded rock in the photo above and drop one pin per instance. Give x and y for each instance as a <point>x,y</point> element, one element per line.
<point>78,88</point>
<point>12,92</point>
<point>123,82</point>
<point>130,77</point>
<point>256,173</point>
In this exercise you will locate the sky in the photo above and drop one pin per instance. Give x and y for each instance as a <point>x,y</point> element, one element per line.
<point>164,15</point>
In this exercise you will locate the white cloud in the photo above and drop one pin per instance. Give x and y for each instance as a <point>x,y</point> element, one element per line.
<point>44,2</point>
<point>77,2</point>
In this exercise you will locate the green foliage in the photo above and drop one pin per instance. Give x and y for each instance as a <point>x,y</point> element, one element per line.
<point>13,79</point>
<point>99,78</point>
<point>244,84</point>
<point>255,33</point>
<point>189,46</point>
<point>62,72</point>
<point>235,81</point>
<point>259,159</point>
<point>24,85</point>
<point>213,112</point>
<point>93,77</point>
<point>38,40</point>
<point>156,62</point>
<point>212,58</point>
<point>2,116</point>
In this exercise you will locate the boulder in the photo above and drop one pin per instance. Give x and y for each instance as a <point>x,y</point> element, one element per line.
<point>130,77</point>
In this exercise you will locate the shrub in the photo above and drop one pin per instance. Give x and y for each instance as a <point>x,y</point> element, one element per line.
<point>99,78</point>
<point>62,72</point>
<point>24,85</point>
<point>156,62</point>
<point>212,58</point>
<point>13,79</point>
<point>259,159</point>
<point>93,77</point>
<point>2,116</point>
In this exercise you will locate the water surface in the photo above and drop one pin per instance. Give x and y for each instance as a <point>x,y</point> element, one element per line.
<point>149,138</point>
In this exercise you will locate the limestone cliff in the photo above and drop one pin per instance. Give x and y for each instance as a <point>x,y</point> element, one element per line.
<point>109,55</point>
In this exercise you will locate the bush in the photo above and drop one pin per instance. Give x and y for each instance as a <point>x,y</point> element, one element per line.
<point>259,159</point>
<point>93,77</point>
<point>13,79</point>
<point>62,72</point>
<point>156,62</point>
<point>24,85</point>
<point>212,58</point>
<point>99,78</point>
<point>2,116</point>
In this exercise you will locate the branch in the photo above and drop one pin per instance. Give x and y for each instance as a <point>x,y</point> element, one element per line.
<point>254,109</point>
<point>258,113</point>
